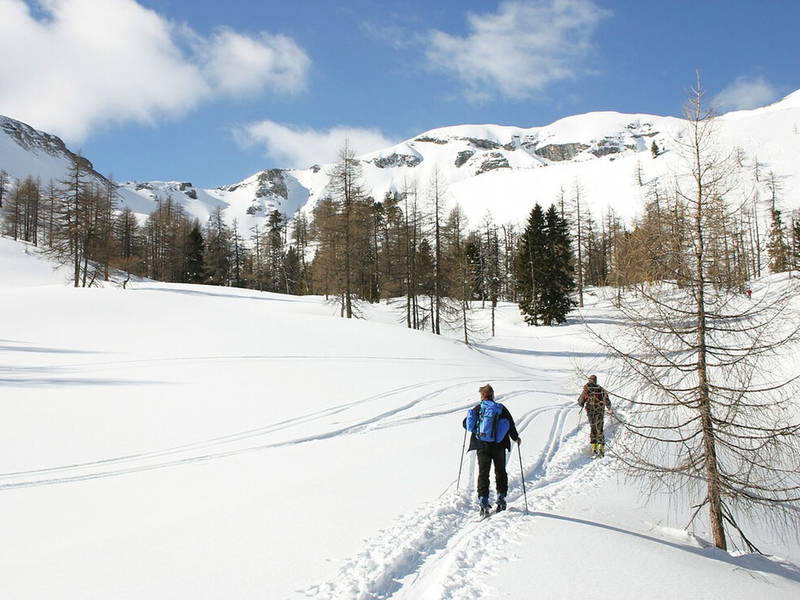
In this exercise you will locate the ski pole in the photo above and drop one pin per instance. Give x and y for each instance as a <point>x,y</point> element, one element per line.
<point>522,476</point>
<point>461,462</point>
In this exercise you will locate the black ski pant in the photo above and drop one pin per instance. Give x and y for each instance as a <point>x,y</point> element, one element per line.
<point>493,453</point>
<point>595,417</point>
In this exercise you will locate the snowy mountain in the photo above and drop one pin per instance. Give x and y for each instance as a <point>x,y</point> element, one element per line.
<point>487,168</point>
<point>278,451</point>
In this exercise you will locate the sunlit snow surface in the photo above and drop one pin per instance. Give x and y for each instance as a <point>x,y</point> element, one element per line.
<point>176,441</point>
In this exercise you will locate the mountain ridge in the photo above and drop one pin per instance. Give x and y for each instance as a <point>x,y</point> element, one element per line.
<point>487,168</point>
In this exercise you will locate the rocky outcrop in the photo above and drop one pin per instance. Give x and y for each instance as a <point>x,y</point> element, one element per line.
<point>482,144</point>
<point>35,141</point>
<point>463,157</point>
<point>396,160</point>
<point>559,152</point>
<point>493,161</point>
<point>272,181</point>
<point>608,146</point>
<point>432,140</point>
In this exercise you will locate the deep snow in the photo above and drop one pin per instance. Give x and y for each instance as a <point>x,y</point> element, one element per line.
<point>177,441</point>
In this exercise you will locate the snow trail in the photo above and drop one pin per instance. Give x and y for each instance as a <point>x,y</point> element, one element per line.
<point>440,551</point>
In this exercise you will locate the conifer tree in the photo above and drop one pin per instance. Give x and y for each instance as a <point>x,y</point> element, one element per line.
<point>218,250</point>
<point>711,414</point>
<point>195,252</point>
<point>292,271</point>
<point>777,249</point>
<point>529,268</point>
<point>558,282</point>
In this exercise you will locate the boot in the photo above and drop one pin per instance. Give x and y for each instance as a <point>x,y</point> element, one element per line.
<point>501,502</point>
<point>594,449</point>
<point>601,450</point>
<point>485,506</point>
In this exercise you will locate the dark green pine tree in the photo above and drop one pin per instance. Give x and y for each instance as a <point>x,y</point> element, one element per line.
<point>529,267</point>
<point>776,245</point>
<point>292,271</point>
<point>654,149</point>
<point>558,282</point>
<point>195,250</point>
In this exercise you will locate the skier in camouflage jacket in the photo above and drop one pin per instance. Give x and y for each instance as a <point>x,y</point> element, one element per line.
<point>594,399</point>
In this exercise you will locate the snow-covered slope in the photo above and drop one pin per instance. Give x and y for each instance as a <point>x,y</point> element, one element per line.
<point>26,151</point>
<point>487,168</point>
<point>178,441</point>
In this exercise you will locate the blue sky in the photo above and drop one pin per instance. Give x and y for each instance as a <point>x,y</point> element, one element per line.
<point>213,91</point>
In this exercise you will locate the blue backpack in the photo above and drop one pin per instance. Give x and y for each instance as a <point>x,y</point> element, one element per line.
<point>485,422</point>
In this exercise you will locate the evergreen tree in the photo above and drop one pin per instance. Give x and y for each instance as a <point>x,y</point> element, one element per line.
<point>292,271</point>
<point>559,281</point>
<point>654,149</point>
<point>195,251</point>
<point>529,268</point>
<point>776,244</point>
<point>218,250</point>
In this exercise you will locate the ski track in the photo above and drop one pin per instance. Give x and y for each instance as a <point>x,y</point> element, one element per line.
<point>440,551</point>
<point>193,452</point>
<point>436,552</point>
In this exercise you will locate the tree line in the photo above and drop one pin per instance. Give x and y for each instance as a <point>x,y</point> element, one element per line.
<point>412,246</point>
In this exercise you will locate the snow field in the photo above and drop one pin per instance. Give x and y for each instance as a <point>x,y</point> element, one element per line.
<point>171,441</point>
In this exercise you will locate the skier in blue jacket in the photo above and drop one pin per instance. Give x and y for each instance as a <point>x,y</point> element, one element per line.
<point>492,427</point>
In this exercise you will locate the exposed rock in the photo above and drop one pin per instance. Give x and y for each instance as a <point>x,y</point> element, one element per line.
<point>272,181</point>
<point>494,160</point>
<point>482,144</point>
<point>183,186</point>
<point>191,193</point>
<point>427,138</point>
<point>315,168</point>
<point>606,147</point>
<point>253,209</point>
<point>558,152</point>
<point>463,157</point>
<point>396,160</point>
<point>33,140</point>
<point>143,186</point>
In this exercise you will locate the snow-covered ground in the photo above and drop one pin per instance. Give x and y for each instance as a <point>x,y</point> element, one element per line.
<point>177,441</point>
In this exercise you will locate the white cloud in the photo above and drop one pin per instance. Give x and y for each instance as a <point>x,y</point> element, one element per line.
<point>519,50</point>
<point>85,64</point>
<point>299,147</point>
<point>745,93</point>
<point>236,63</point>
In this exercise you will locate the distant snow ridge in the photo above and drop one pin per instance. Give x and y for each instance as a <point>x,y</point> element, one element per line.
<point>502,170</point>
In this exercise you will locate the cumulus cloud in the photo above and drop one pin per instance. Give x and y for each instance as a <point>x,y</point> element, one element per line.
<point>71,65</point>
<point>298,147</point>
<point>236,63</point>
<point>745,93</point>
<point>519,50</point>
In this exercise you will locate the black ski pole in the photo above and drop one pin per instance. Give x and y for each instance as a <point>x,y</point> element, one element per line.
<point>461,462</point>
<point>522,476</point>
